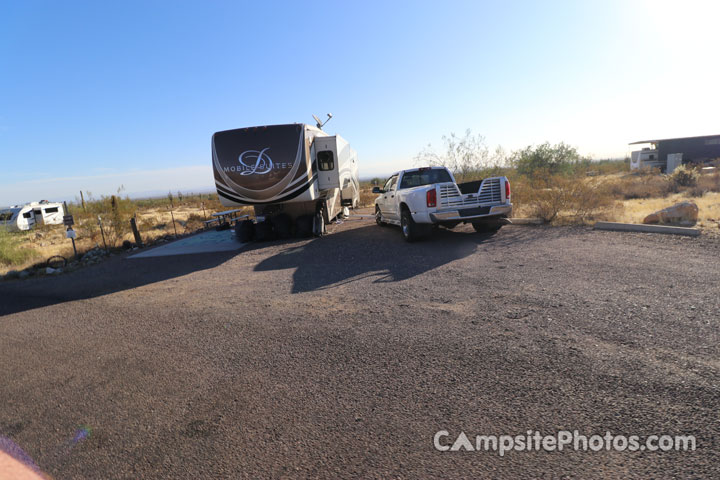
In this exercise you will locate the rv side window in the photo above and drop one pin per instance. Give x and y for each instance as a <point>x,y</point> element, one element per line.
<point>6,216</point>
<point>27,215</point>
<point>325,160</point>
<point>51,210</point>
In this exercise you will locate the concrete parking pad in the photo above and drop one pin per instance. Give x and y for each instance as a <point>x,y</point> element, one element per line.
<point>206,242</point>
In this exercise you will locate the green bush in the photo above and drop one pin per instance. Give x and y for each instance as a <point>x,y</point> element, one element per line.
<point>684,176</point>
<point>547,160</point>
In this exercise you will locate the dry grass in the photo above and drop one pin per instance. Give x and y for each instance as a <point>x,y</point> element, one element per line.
<point>636,210</point>
<point>24,249</point>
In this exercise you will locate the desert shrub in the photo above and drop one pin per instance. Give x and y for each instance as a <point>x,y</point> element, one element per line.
<point>570,199</point>
<point>705,184</point>
<point>115,212</point>
<point>11,253</point>
<point>194,222</point>
<point>367,198</point>
<point>641,185</point>
<point>683,176</point>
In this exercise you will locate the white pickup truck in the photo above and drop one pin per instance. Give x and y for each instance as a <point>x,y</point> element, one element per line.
<point>420,198</point>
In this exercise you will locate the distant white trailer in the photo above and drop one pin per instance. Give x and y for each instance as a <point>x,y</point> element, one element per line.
<point>647,158</point>
<point>25,217</point>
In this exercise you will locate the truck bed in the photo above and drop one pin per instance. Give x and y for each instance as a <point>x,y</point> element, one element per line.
<point>470,194</point>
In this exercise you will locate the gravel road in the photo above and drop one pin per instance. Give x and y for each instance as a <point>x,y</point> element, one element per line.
<point>341,357</point>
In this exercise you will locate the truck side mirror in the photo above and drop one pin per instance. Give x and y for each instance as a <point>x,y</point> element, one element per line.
<point>377,190</point>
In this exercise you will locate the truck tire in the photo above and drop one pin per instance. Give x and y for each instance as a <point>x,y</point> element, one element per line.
<point>408,227</point>
<point>378,217</point>
<point>486,227</point>
<point>282,224</point>
<point>245,231</point>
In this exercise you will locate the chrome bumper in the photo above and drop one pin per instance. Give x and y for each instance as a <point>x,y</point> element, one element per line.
<point>454,215</point>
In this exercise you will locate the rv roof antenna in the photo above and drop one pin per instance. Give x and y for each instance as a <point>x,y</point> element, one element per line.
<point>322,124</point>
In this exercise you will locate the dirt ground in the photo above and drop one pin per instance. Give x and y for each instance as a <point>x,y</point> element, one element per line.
<point>342,356</point>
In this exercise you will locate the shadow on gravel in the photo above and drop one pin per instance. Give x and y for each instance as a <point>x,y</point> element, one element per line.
<point>370,251</point>
<point>112,275</point>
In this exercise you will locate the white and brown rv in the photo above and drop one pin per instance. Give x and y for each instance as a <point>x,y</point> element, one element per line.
<point>296,177</point>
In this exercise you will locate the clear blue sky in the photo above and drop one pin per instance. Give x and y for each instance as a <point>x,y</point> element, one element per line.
<point>98,94</point>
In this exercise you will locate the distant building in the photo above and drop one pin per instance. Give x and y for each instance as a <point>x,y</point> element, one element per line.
<point>668,153</point>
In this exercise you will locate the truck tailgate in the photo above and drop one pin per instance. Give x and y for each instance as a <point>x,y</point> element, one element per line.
<point>489,193</point>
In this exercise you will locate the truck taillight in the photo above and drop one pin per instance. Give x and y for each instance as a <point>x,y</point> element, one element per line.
<point>507,190</point>
<point>431,198</point>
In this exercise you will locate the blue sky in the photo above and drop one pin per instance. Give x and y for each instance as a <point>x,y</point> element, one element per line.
<point>94,95</point>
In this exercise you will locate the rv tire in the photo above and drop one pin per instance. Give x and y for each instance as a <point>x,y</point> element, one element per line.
<point>245,231</point>
<point>264,231</point>
<point>283,225</point>
<point>303,226</point>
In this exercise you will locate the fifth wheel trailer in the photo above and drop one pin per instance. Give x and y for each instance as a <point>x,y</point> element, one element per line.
<point>297,177</point>
<point>25,217</point>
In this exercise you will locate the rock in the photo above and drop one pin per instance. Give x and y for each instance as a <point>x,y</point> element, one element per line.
<point>127,245</point>
<point>684,214</point>
<point>23,274</point>
<point>12,274</point>
<point>50,270</point>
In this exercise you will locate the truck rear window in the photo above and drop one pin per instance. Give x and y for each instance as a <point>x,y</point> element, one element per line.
<point>424,177</point>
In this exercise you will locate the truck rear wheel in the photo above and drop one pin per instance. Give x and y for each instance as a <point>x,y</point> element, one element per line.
<point>486,227</point>
<point>408,227</point>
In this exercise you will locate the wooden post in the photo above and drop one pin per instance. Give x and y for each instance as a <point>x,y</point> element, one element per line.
<point>82,200</point>
<point>173,220</point>
<point>136,233</point>
<point>102,230</point>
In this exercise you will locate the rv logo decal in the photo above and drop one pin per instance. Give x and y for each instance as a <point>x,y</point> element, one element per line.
<point>263,163</point>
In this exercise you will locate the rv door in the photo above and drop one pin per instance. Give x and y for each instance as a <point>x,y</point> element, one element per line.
<point>327,162</point>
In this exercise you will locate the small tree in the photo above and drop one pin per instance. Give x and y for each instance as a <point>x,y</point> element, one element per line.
<point>465,156</point>
<point>546,159</point>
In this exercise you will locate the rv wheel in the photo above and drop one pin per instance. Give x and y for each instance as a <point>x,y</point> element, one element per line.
<point>304,226</point>
<point>245,230</point>
<point>264,231</point>
<point>282,224</point>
